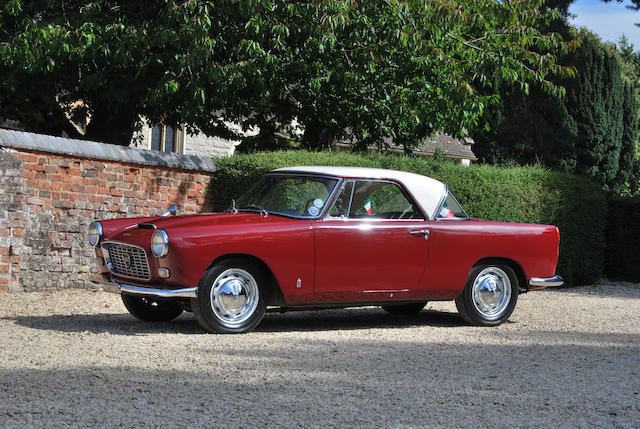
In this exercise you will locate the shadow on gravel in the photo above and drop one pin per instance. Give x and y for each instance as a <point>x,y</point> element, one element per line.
<point>353,319</point>
<point>609,290</point>
<point>344,382</point>
<point>117,324</point>
<point>325,320</point>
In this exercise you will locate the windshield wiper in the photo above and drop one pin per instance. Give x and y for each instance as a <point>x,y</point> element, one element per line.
<point>252,206</point>
<point>233,208</point>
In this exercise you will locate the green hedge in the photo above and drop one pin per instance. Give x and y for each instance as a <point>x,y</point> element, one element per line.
<point>520,194</point>
<point>623,239</point>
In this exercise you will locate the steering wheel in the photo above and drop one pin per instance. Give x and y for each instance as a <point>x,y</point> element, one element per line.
<point>410,208</point>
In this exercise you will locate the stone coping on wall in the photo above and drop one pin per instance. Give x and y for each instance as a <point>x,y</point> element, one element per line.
<point>102,151</point>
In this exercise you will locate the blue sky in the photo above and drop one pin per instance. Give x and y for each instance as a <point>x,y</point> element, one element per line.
<point>609,20</point>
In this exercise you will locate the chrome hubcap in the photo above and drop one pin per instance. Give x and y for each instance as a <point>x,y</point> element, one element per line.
<point>491,292</point>
<point>234,297</point>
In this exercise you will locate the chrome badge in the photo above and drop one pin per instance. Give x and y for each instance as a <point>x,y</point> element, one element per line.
<point>126,258</point>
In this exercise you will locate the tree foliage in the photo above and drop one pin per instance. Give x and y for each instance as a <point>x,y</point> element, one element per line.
<point>592,131</point>
<point>380,68</point>
<point>635,4</point>
<point>107,61</point>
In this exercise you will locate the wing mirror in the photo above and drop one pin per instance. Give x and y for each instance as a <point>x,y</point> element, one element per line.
<point>171,212</point>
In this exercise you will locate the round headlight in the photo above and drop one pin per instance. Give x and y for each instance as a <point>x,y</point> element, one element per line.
<point>95,233</point>
<point>160,243</point>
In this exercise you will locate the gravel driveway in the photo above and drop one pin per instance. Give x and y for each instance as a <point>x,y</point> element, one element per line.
<point>568,357</point>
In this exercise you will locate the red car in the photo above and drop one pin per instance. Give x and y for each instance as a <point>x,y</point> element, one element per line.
<point>325,237</point>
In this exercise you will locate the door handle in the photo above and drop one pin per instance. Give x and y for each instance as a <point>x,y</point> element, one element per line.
<point>421,232</point>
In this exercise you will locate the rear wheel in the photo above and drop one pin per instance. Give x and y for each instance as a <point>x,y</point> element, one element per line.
<point>230,298</point>
<point>404,309</point>
<point>151,310</point>
<point>490,295</point>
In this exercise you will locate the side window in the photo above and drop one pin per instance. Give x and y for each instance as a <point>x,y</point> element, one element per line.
<point>341,205</point>
<point>451,209</point>
<point>381,200</point>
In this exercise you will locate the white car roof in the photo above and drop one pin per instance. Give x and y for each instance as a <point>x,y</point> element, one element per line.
<point>427,192</point>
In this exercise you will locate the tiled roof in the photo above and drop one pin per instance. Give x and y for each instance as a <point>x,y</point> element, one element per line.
<point>454,147</point>
<point>451,146</point>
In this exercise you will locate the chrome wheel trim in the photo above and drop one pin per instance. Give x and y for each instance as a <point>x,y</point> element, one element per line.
<point>491,292</point>
<point>234,297</point>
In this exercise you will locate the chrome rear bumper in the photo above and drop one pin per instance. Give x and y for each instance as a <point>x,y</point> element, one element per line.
<point>191,292</point>
<point>540,283</point>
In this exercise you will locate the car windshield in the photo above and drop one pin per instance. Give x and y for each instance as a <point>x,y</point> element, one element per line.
<point>288,195</point>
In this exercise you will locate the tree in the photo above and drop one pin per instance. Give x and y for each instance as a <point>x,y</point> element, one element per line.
<point>592,131</point>
<point>630,165</point>
<point>635,4</point>
<point>367,70</point>
<point>107,61</point>
<point>627,176</point>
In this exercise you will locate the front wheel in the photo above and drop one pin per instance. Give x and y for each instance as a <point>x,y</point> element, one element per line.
<point>490,295</point>
<point>229,297</point>
<point>151,310</point>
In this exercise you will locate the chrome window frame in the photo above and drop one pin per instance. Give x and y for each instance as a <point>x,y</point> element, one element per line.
<point>404,191</point>
<point>343,183</point>
<point>442,200</point>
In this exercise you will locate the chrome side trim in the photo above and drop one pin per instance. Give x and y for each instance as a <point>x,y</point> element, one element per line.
<point>191,292</point>
<point>546,282</point>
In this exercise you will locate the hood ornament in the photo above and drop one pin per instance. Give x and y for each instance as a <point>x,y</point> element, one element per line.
<point>234,210</point>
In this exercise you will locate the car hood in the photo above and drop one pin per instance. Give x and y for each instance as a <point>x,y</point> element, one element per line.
<point>206,219</point>
<point>197,224</point>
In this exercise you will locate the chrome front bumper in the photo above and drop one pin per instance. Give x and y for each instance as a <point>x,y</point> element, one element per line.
<point>191,292</point>
<point>541,283</point>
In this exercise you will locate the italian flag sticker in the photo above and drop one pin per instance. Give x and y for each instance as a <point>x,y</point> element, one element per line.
<point>445,212</point>
<point>367,205</point>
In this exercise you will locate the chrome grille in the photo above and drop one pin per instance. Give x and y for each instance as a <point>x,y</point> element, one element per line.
<point>125,260</point>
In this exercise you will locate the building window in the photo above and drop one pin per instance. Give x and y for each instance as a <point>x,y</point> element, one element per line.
<point>165,138</point>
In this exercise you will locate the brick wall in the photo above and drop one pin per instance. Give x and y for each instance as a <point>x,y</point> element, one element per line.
<point>48,199</point>
<point>12,220</point>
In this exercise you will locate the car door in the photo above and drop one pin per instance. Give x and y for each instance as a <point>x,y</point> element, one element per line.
<point>371,246</point>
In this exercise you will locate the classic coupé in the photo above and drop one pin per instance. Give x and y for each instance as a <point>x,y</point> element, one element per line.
<point>325,237</point>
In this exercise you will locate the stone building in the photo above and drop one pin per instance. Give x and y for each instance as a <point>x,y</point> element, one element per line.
<point>457,148</point>
<point>176,139</point>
